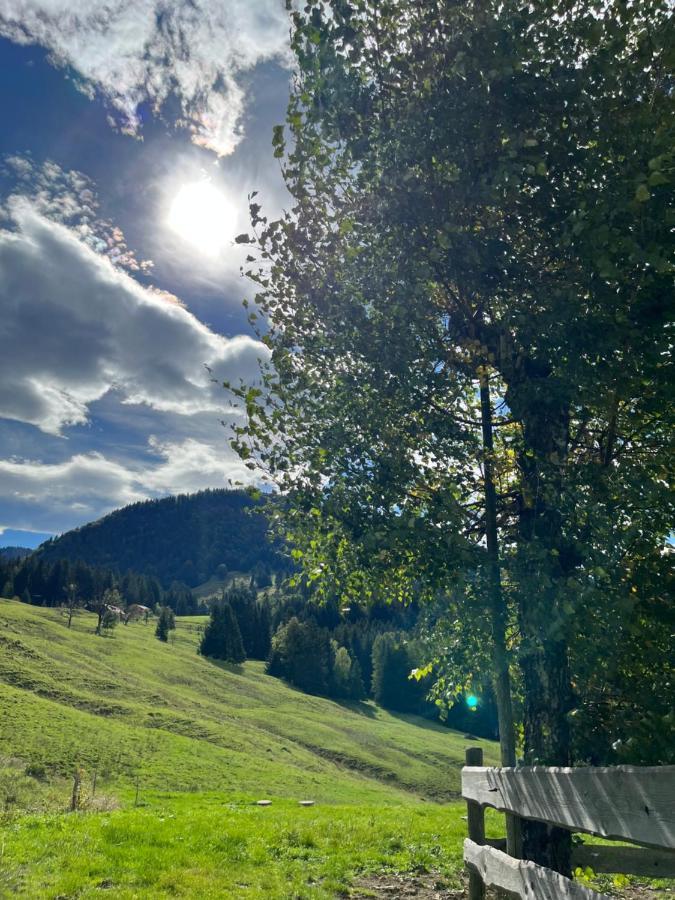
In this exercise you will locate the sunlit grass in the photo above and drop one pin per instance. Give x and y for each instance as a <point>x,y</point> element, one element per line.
<point>194,744</point>
<point>202,846</point>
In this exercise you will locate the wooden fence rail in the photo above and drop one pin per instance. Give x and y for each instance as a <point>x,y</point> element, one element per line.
<point>625,803</point>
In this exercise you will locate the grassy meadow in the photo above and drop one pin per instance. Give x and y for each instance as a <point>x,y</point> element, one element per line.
<point>180,748</point>
<point>174,751</point>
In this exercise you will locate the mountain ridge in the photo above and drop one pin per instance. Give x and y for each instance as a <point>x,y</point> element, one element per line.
<point>12,552</point>
<point>185,538</point>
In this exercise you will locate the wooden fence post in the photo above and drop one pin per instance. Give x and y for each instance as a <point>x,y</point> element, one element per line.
<point>75,796</point>
<point>476,825</point>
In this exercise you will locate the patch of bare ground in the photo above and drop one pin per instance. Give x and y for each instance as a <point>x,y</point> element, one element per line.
<point>433,886</point>
<point>426,886</point>
<point>642,892</point>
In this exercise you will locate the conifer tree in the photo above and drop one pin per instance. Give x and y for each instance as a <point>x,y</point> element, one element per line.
<point>392,665</point>
<point>263,631</point>
<point>347,680</point>
<point>222,637</point>
<point>165,624</point>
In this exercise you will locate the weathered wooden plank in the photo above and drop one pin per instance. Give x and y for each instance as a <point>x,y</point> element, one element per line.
<point>621,803</point>
<point>620,860</point>
<point>521,878</point>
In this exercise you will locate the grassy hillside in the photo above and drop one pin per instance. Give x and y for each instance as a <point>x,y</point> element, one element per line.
<point>200,741</point>
<point>180,748</point>
<point>131,706</point>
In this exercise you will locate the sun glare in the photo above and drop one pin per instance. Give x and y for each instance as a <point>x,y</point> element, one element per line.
<point>203,216</point>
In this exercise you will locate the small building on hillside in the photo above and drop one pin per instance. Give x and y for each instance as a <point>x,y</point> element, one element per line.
<point>138,611</point>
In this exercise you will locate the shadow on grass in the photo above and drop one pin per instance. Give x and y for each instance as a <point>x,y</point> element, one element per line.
<point>225,665</point>
<point>432,725</point>
<point>358,706</point>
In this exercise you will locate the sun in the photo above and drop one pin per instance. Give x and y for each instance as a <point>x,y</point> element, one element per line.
<point>203,216</point>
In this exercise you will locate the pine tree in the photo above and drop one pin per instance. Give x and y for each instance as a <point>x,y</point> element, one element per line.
<point>263,631</point>
<point>356,689</point>
<point>243,602</point>
<point>392,687</point>
<point>222,637</point>
<point>165,624</point>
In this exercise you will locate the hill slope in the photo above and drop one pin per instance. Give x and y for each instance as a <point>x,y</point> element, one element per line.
<point>131,707</point>
<point>180,747</point>
<point>183,538</point>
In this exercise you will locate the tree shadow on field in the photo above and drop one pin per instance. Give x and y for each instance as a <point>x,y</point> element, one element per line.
<point>427,724</point>
<point>225,666</point>
<point>358,706</point>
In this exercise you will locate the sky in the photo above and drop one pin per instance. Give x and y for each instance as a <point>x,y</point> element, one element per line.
<point>133,131</point>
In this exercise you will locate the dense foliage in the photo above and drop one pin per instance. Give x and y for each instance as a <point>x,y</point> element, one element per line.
<point>254,619</point>
<point>222,637</point>
<point>184,538</point>
<point>468,312</point>
<point>368,651</point>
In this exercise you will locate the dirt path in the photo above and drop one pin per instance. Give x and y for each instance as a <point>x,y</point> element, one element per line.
<point>391,886</point>
<point>431,886</point>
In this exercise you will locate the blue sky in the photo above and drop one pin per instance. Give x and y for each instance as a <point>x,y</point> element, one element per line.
<point>132,133</point>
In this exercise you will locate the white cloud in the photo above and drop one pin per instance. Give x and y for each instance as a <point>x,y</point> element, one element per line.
<point>74,326</point>
<point>134,51</point>
<point>85,480</point>
<point>68,197</point>
<point>191,465</point>
<point>57,496</point>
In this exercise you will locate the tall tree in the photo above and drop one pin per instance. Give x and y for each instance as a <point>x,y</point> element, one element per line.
<point>165,623</point>
<point>302,654</point>
<point>222,638</point>
<point>480,202</point>
<point>73,601</point>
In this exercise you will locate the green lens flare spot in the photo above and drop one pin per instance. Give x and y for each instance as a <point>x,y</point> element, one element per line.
<point>472,701</point>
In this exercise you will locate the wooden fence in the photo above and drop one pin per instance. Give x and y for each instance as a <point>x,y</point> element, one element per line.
<point>623,803</point>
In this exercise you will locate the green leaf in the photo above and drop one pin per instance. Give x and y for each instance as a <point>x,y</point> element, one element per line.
<point>642,193</point>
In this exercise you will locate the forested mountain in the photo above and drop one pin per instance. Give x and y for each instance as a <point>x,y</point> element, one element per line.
<point>186,538</point>
<point>14,552</point>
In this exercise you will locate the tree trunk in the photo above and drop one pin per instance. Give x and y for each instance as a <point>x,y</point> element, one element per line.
<point>543,651</point>
<point>546,736</point>
<point>498,615</point>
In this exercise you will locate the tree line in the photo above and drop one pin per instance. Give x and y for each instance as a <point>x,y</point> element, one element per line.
<point>352,653</point>
<point>62,582</point>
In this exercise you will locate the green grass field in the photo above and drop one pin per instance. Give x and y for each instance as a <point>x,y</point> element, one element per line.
<point>181,747</point>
